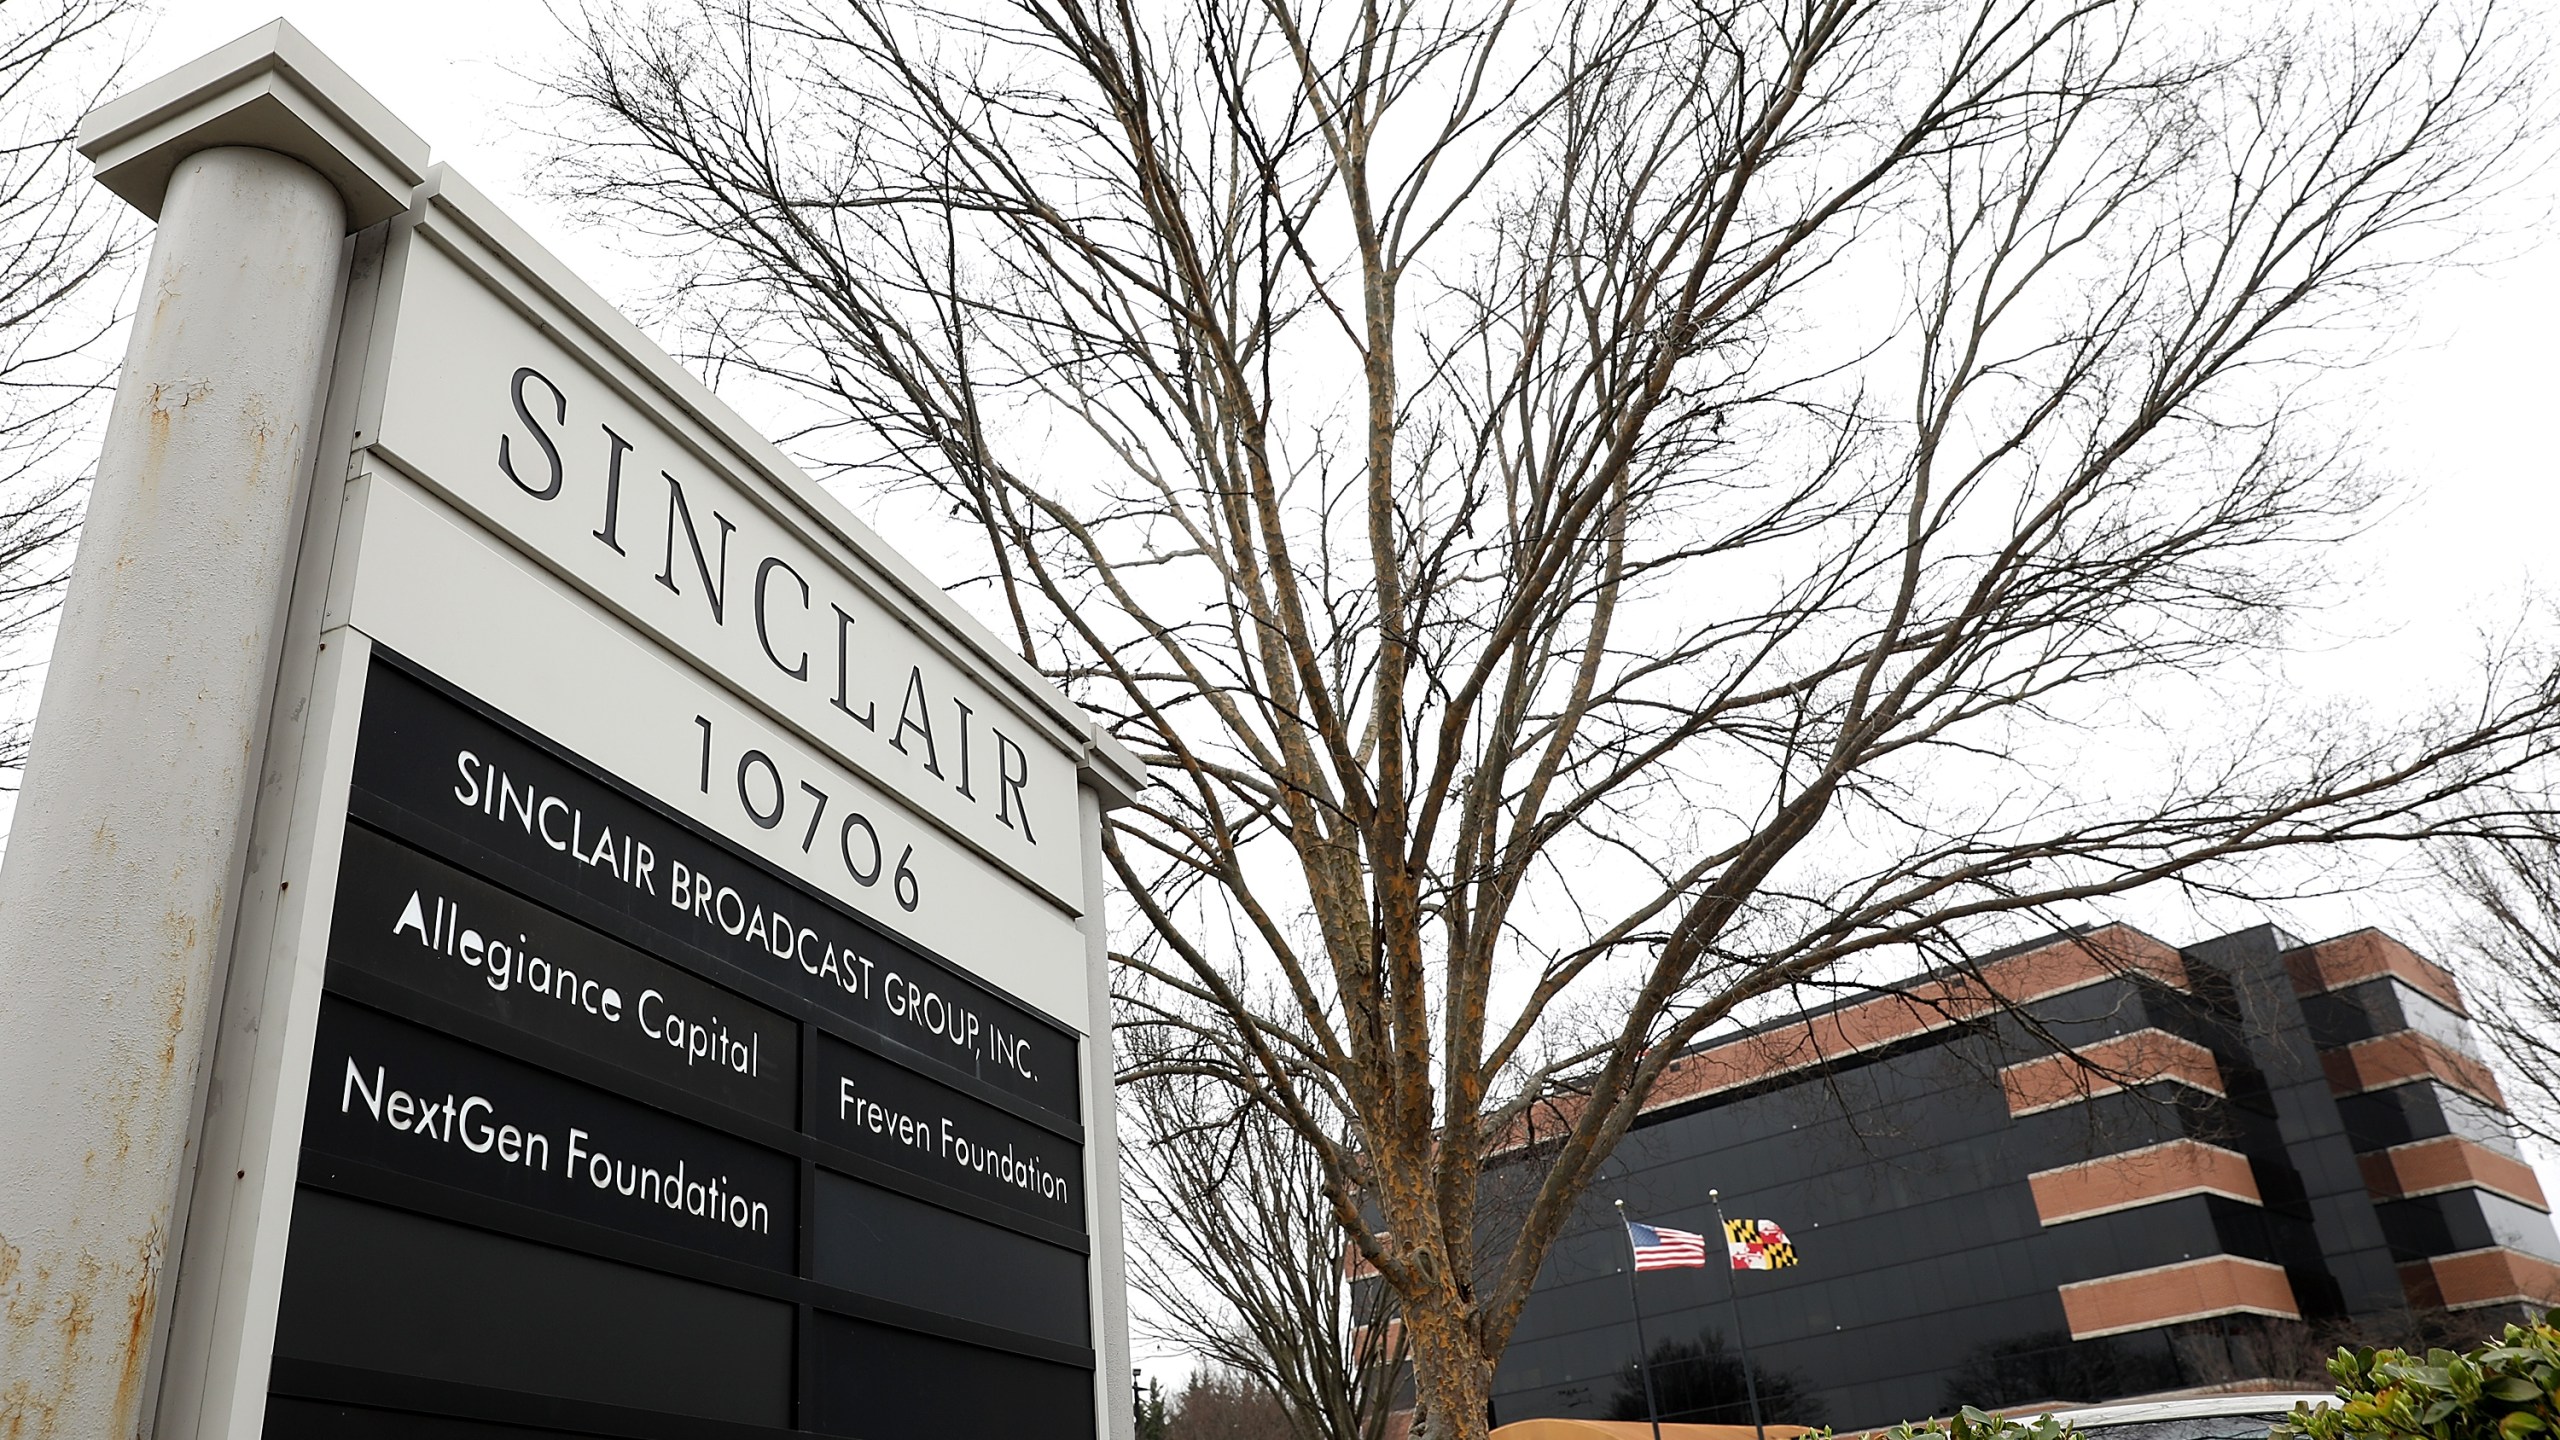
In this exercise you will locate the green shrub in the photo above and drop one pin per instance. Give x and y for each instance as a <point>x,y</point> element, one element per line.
<point>2508,1389</point>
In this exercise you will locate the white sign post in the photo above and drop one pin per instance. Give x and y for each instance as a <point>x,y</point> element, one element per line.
<point>522,911</point>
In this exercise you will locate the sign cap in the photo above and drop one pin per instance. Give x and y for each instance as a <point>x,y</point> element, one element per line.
<point>271,89</point>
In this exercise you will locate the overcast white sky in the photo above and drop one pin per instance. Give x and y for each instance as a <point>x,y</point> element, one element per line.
<point>449,68</point>
<point>2464,407</point>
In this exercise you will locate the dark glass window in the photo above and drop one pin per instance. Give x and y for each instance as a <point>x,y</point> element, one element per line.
<point>2383,1005</point>
<point>2454,1221</point>
<point>2423,1110</point>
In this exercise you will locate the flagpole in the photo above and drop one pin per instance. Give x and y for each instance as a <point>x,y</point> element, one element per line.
<point>1733,1290</point>
<point>1652,1408</point>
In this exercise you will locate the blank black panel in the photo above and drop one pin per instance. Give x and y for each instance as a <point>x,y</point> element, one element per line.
<point>880,1384</point>
<point>289,1418</point>
<point>890,1247</point>
<point>380,1289</point>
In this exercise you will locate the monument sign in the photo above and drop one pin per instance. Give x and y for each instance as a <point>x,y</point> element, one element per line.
<point>525,917</point>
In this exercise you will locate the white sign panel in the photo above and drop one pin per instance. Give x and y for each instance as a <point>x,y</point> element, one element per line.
<point>530,439</point>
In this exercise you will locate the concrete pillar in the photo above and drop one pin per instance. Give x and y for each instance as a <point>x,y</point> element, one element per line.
<point>124,865</point>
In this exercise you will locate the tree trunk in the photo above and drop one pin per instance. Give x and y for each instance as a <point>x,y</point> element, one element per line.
<point>1452,1378</point>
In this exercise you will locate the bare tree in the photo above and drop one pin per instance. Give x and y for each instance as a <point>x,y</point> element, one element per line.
<point>1246,1263</point>
<point>2505,939</point>
<point>1224,1406</point>
<point>1597,513</point>
<point>60,238</point>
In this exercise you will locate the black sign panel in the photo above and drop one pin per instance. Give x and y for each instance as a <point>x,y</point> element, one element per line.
<point>875,1381</point>
<point>371,1288</point>
<point>447,772</point>
<point>874,1243</point>
<point>432,929</point>
<point>887,1113</point>
<point>580,1074</point>
<point>391,1094</point>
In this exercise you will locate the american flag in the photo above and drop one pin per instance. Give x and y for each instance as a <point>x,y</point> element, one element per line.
<point>1661,1248</point>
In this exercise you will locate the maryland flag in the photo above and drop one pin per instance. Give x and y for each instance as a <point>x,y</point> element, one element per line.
<point>1758,1245</point>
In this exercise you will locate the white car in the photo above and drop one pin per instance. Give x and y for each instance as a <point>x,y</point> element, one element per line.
<point>2214,1417</point>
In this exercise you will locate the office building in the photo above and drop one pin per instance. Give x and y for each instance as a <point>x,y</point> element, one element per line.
<point>2087,1169</point>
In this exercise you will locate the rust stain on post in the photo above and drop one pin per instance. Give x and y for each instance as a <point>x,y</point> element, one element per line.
<point>22,1405</point>
<point>141,1302</point>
